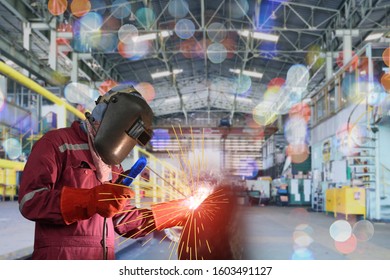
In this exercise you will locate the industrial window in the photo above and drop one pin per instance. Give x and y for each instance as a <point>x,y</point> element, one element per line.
<point>321,109</point>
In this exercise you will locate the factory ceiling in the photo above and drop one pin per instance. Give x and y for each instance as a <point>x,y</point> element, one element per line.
<point>208,49</point>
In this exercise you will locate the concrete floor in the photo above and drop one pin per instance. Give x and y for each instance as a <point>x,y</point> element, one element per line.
<point>270,233</point>
<point>285,233</point>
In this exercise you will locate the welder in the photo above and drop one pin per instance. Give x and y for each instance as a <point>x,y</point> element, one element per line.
<point>68,184</point>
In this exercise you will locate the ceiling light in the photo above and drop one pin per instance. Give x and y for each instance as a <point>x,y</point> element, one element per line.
<point>259,35</point>
<point>237,71</point>
<point>265,36</point>
<point>252,74</point>
<point>165,73</point>
<point>160,74</point>
<point>244,33</point>
<point>177,71</point>
<point>247,72</point>
<point>152,36</point>
<point>166,33</point>
<point>145,37</point>
<point>373,36</point>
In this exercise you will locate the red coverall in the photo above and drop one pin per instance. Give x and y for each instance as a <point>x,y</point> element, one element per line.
<point>62,158</point>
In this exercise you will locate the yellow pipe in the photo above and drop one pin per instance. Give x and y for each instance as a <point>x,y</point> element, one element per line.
<point>27,82</point>
<point>8,164</point>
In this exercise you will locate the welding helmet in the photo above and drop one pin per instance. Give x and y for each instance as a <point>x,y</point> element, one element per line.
<point>126,121</point>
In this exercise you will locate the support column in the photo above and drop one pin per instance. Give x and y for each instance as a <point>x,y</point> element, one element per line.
<point>329,65</point>
<point>61,116</point>
<point>378,185</point>
<point>75,67</point>
<point>347,35</point>
<point>3,89</point>
<point>26,35</point>
<point>53,44</point>
<point>347,47</point>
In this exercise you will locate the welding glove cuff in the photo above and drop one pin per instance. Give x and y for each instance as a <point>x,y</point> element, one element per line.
<point>106,200</point>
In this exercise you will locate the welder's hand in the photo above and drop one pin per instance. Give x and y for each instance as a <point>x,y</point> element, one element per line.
<point>105,200</point>
<point>170,214</point>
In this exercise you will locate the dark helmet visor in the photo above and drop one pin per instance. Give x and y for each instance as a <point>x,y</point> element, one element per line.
<point>138,132</point>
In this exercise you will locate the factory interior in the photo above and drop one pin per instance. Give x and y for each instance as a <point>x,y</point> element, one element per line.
<point>282,103</point>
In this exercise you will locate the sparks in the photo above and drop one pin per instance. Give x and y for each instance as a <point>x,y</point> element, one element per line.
<point>200,195</point>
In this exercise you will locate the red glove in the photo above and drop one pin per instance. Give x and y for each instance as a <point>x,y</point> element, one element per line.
<point>106,200</point>
<point>170,214</point>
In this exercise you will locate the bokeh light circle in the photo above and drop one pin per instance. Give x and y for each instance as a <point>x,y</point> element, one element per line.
<point>298,153</point>
<point>216,53</point>
<point>216,32</point>
<point>376,95</point>
<point>301,110</point>
<point>106,86</point>
<point>276,82</point>
<point>185,28</point>
<point>147,91</point>
<point>344,142</point>
<point>121,9</point>
<point>79,93</point>
<point>298,77</point>
<point>242,84</point>
<point>87,34</point>
<point>13,148</point>
<point>340,231</point>
<point>262,115</point>
<point>61,41</point>
<point>199,49</point>
<point>348,85</point>
<point>315,57</point>
<point>304,227</point>
<point>359,134</point>
<point>386,56</point>
<point>108,43</point>
<point>57,7</point>
<point>133,50</point>
<point>89,102</point>
<point>125,50</point>
<point>178,8</point>
<point>302,254</point>
<point>272,94</point>
<point>145,17</point>
<point>91,22</point>
<point>354,63</point>
<point>302,239</point>
<point>295,130</point>
<point>127,32</point>
<point>385,81</point>
<point>348,246</point>
<point>80,8</point>
<point>187,47</point>
<point>363,230</point>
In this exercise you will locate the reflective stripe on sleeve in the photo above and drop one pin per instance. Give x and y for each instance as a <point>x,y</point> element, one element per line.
<point>29,196</point>
<point>119,220</point>
<point>73,147</point>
